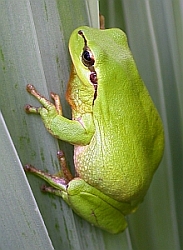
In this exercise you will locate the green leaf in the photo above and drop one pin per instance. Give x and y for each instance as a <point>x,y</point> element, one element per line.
<point>22,226</point>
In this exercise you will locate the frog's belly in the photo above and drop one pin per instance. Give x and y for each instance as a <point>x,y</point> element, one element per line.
<point>118,173</point>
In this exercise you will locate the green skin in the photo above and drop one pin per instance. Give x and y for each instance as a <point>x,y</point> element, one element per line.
<point>115,129</point>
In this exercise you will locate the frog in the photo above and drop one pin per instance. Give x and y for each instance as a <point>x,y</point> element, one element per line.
<point>115,128</point>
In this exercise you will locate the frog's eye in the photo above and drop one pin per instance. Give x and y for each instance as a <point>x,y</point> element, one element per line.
<point>87,58</point>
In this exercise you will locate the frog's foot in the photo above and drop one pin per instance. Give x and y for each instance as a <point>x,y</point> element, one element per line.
<point>63,165</point>
<point>52,179</point>
<point>45,102</point>
<point>56,99</point>
<point>52,190</point>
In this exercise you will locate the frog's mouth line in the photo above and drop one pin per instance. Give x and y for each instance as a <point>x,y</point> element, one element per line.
<point>89,61</point>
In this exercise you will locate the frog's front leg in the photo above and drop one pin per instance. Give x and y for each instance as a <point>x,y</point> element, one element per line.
<point>46,103</point>
<point>49,110</point>
<point>88,202</point>
<point>78,131</point>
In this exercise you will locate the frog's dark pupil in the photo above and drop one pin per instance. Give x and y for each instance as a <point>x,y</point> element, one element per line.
<point>86,55</point>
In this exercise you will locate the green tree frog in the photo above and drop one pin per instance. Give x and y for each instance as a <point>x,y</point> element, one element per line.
<point>115,129</point>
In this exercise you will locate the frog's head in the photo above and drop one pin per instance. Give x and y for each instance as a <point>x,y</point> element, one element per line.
<point>96,54</point>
